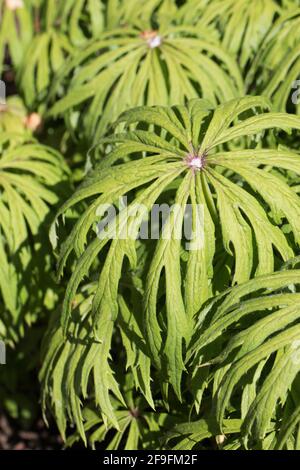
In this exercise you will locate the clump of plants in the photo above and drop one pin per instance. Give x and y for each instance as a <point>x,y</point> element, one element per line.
<point>150,221</point>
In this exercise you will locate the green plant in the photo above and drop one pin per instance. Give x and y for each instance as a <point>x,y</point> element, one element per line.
<point>279,53</point>
<point>86,19</point>
<point>190,435</point>
<point>183,58</point>
<point>184,155</point>
<point>242,24</point>
<point>248,337</point>
<point>45,55</point>
<point>16,31</point>
<point>29,176</point>
<point>60,27</point>
<point>165,168</point>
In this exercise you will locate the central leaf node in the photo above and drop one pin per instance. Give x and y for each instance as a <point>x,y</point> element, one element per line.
<point>195,162</point>
<point>152,38</point>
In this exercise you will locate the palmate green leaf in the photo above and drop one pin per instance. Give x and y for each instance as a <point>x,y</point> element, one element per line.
<point>79,370</point>
<point>139,428</point>
<point>16,31</point>
<point>67,368</point>
<point>82,20</point>
<point>138,361</point>
<point>181,149</point>
<point>29,174</point>
<point>85,19</point>
<point>43,58</point>
<point>242,24</point>
<point>187,436</point>
<point>124,66</point>
<point>262,350</point>
<point>38,42</point>
<point>288,437</point>
<point>276,67</point>
<point>40,35</point>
